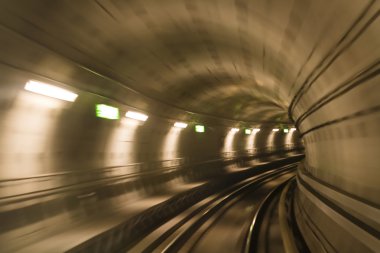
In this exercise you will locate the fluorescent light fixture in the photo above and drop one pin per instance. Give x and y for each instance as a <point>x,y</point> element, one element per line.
<point>107,112</point>
<point>136,116</point>
<point>234,129</point>
<point>286,130</point>
<point>293,129</point>
<point>248,131</point>
<point>275,129</point>
<point>180,125</point>
<point>50,91</point>
<point>255,130</point>
<point>199,128</point>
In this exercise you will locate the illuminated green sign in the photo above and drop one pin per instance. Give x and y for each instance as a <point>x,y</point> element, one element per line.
<point>199,128</point>
<point>107,112</point>
<point>286,130</point>
<point>248,131</point>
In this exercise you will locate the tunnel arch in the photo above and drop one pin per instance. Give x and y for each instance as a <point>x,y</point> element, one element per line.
<point>197,62</point>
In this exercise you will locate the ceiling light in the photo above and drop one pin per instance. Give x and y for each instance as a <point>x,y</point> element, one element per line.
<point>136,116</point>
<point>180,125</point>
<point>50,91</point>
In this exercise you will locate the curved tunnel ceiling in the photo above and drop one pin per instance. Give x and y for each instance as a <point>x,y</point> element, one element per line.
<point>204,62</point>
<point>239,60</point>
<point>221,58</point>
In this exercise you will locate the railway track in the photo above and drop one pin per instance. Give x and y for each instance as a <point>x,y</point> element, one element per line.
<point>231,221</point>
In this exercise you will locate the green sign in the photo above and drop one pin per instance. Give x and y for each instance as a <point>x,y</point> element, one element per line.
<point>199,128</point>
<point>107,112</point>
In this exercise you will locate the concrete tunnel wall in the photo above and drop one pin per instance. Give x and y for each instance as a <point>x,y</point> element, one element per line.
<point>324,64</point>
<point>44,135</point>
<point>60,164</point>
<point>336,110</point>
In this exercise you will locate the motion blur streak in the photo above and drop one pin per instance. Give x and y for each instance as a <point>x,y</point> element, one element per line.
<point>228,146</point>
<point>250,144</point>
<point>289,138</point>
<point>70,181</point>
<point>121,143</point>
<point>170,146</point>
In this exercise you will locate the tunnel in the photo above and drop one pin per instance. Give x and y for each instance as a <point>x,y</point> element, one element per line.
<point>189,126</point>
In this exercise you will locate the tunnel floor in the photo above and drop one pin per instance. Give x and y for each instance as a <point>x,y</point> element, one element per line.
<point>220,215</point>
